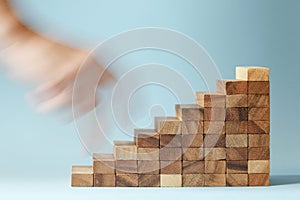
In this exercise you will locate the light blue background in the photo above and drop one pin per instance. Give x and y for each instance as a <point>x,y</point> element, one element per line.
<point>234,32</point>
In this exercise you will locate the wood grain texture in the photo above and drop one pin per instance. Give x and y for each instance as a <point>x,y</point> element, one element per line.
<point>258,87</point>
<point>194,141</point>
<point>170,140</point>
<point>215,180</point>
<point>231,87</point>
<point>238,100</point>
<point>82,176</point>
<point>170,154</point>
<point>214,127</point>
<point>146,180</point>
<point>148,154</point>
<point>126,166</point>
<point>237,153</point>
<point>167,125</point>
<point>259,140</point>
<point>236,114</point>
<point>193,180</point>
<point>127,180</point>
<point>193,154</point>
<point>125,150</point>
<point>258,100</point>
<point>259,153</point>
<point>214,141</point>
<point>170,180</point>
<point>259,127</point>
<point>237,180</point>
<point>249,73</point>
<point>103,164</point>
<point>259,179</point>
<point>193,167</point>
<point>192,127</point>
<point>237,140</point>
<point>259,114</point>
<point>214,114</point>
<point>209,100</point>
<point>148,167</point>
<point>237,167</point>
<point>215,154</point>
<point>215,167</point>
<point>171,167</point>
<point>189,112</point>
<point>104,180</point>
<point>258,166</point>
<point>146,138</point>
<point>236,127</point>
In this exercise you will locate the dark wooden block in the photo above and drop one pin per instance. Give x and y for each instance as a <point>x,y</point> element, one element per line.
<point>237,140</point>
<point>215,167</point>
<point>127,180</point>
<point>170,154</point>
<point>237,153</point>
<point>236,114</point>
<point>258,100</point>
<point>215,154</point>
<point>194,141</point>
<point>126,166</point>
<point>170,140</point>
<point>193,154</point>
<point>238,100</point>
<point>167,125</point>
<point>171,167</point>
<point>193,180</point>
<point>146,180</point>
<point>148,154</point>
<point>146,138</point>
<point>237,167</point>
<point>148,167</point>
<point>209,100</point>
<point>82,176</point>
<point>259,153</point>
<point>259,140</point>
<point>215,180</point>
<point>103,164</point>
<point>193,167</point>
<point>104,180</point>
<point>214,114</point>
<point>258,127</point>
<point>258,87</point>
<point>258,167</point>
<point>259,179</point>
<point>189,112</point>
<point>231,87</point>
<point>192,127</point>
<point>214,127</point>
<point>236,127</point>
<point>259,114</point>
<point>214,141</point>
<point>237,180</point>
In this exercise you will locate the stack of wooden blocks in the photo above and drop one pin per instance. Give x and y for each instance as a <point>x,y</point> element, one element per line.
<point>223,140</point>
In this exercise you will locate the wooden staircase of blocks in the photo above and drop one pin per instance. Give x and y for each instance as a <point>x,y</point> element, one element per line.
<point>223,140</point>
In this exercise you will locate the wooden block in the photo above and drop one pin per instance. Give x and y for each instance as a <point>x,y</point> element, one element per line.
<point>146,180</point>
<point>214,114</point>
<point>170,154</point>
<point>236,127</point>
<point>170,180</point>
<point>258,127</point>
<point>103,164</point>
<point>125,150</point>
<point>192,127</point>
<point>215,167</point>
<point>237,167</point>
<point>258,100</point>
<point>193,154</point>
<point>259,114</point>
<point>126,166</point>
<point>148,154</point>
<point>259,140</point>
<point>193,141</point>
<point>214,127</point>
<point>237,153</point>
<point>146,138</point>
<point>193,180</point>
<point>237,180</point>
<point>104,180</point>
<point>214,141</point>
<point>259,153</point>
<point>167,125</point>
<point>231,87</point>
<point>215,180</point>
<point>215,154</point>
<point>148,167</point>
<point>209,100</point>
<point>236,114</point>
<point>259,179</point>
<point>82,176</point>
<point>189,112</point>
<point>193,167</point>
<point>170,140</point>
<point>258,87</point>
<point>258,166</point>
<point>237,140</point>
<point>171,167</point>
<point>238,100</point>
<point>127,180</point>
<point>253,73</point>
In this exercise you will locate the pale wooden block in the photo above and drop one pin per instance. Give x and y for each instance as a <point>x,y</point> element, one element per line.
<point>170,180</point>
<point>167,125</point>
<point>215,154</point>
<point>215,180</point>
<point>252,73</point>
<point>125,150</point>
<point>237,140</point>
<point>258,166</point>
<point>148,154</point>
<point>82,176</point>
<point>208,100</point>
<point>238,100</point>
<point>189,112</point>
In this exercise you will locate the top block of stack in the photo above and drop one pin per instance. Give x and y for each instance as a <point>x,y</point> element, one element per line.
<point>248,73</point>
